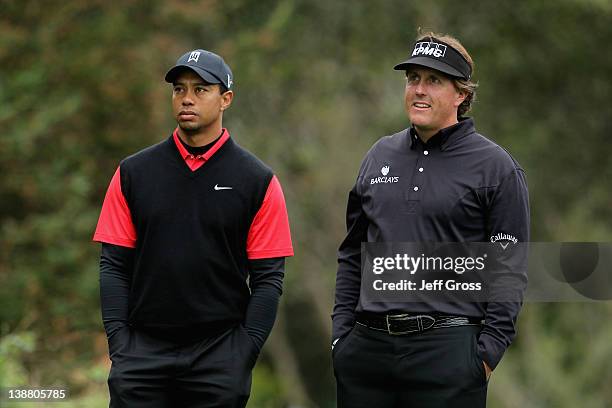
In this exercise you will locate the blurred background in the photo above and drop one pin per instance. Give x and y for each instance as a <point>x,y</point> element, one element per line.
<point>81,87</point>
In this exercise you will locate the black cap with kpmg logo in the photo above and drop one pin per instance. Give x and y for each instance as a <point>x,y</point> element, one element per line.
<point>433,53</point>
<point>208,65</point>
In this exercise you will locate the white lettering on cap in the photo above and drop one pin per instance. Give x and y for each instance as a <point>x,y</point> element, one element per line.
<point>429,48</point>
<point>194,56</point>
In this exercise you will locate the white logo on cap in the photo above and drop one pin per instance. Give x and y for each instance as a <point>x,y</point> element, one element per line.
<point>229,81</point>
<point>429,48</point>
<point>194,56</point>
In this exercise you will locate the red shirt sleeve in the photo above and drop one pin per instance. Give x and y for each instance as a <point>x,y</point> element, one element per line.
<point>115,223</point>
<point>269,235</point>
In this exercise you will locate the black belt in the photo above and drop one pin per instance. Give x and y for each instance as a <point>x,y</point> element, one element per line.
<point>413,323</point>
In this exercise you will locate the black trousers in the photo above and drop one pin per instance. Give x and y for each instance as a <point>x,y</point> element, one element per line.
<point>153,372</point>
<point>436,368</point>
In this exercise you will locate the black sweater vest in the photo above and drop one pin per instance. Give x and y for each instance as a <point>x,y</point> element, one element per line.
<point>191,263</point>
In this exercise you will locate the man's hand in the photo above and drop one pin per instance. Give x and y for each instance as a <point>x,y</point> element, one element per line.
<point>488,371</point>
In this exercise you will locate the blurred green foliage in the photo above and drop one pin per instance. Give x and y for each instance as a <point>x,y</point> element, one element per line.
<point>81,86</point>
<point>12,349</point>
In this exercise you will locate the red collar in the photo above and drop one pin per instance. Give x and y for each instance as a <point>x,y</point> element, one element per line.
<point>194,162</point>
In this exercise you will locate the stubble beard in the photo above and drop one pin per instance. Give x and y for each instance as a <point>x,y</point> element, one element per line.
<point>190,128</point>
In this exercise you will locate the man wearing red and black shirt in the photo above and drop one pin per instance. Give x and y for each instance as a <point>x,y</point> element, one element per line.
<point>185,223</point>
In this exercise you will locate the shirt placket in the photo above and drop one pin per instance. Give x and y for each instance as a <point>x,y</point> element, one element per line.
<point>415,189</point>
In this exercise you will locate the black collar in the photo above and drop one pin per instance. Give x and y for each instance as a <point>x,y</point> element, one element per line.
<point>198,150</point>
<point>445,137</point>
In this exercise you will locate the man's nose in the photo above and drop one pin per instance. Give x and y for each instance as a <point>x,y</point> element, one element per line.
<point>419,88</point>
<point>188,98</point>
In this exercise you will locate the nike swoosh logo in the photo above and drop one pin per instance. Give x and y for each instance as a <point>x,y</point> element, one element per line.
<point>217,188</point>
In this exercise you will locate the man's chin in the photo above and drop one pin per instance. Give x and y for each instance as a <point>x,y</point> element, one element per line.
<point>189,126</point>
<point>419,123</point>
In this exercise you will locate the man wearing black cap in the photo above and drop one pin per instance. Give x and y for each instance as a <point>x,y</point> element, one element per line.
<point>184,224</point>
<point>437,181</point>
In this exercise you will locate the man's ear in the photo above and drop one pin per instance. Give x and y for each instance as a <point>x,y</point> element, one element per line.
<point>461,95</point>
<point>226,99</point>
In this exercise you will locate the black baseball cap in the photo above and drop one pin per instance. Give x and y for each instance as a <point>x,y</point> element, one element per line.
<point>208,65</point>
<point>433,53</point>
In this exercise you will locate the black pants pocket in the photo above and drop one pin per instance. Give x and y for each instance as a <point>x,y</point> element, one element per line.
<point>479,370</point>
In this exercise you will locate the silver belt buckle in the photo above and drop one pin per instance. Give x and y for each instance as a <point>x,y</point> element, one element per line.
<point>421,324</point>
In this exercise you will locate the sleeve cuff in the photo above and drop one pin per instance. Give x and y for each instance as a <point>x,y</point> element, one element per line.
<point>342,325</point>
<point>107,239</point>
<point>270,253</point>
<point>490,350</point>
